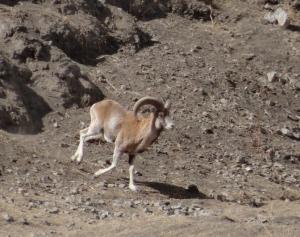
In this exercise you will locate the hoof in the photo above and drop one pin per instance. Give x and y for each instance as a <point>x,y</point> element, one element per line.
<point>133,188</point>
<point>79,159</point>
<point>102,171</point>
<point>98,173</point>
<point>74,157</point>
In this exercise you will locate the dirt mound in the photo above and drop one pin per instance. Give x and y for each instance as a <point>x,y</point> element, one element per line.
<point>46,39</point>
<point>20,106</point>
<point>26,99</point>
<point>234,83</point>
<point>150,9</point>
<point>80,30</point>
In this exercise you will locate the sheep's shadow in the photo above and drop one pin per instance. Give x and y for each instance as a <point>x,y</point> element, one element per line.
<point>173,191</point>
<point>295,28</point>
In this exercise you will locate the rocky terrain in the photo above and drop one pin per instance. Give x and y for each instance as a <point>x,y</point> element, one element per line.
<point>231,166</point>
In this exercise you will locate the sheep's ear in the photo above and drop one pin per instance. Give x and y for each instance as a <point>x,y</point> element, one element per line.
<point>168,104</point>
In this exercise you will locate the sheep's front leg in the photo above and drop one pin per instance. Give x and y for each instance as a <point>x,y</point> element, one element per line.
<point>116,156</point>
<point>132,186</point>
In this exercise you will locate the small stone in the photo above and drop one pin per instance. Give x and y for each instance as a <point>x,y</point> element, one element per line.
<point>170,212</point>
<point>272,76</point>
<point>178,206</point>
<point>90,222</point>
<point>64,145</point>
<point>269,18</point>
<point>53,210</point>
<point>296,4</point>
<point>296,135</point>
<point>282,17</point>
<point>147,210</point>
<point>104,215</point>
<point>119,214</point>
<point>290,180</point>
<point>270,103</point>
<point>101,184</point>
<point>137,202</point>
<point>111,185</point>
<point>241,160</point>
<point>8,218</point>
<point>208,131</point>
<point>134,215</point>
<point>278,166</point>
<point>285,131</point>
<point>24,221</point>
<point>55,125</point>
<point>122,185</point>
<point>177,212</point>
<point>137,173</point>
<point>250,56</point>
<point>74,191</point>
<point>9,171</point>
<point>268,7</point>
<point>101,202</point>
<point>257,202</point>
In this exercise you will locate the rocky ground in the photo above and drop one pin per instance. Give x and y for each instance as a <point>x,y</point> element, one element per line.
<point>231,167</point>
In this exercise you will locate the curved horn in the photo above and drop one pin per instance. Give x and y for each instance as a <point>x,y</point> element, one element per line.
<point>148,101</point>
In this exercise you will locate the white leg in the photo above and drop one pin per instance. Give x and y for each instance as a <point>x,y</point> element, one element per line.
<point>132,186</point>
<point>82,132</point>
<point>116,156</point>
<point>85,134</point>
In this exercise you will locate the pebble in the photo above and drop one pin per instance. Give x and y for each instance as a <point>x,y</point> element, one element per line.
<point>257,202</point>
<point>101,202</point>
<point>278,166</point>
<point>137,173</point>
<point>119,214</point>
<point>104,215</point>
<point>74,191</point>
<point>53,210</point>
<point>64,145</point>
<point>241,160</point>
<point>24,221</point>
<point>101,184</point>
<point>272,76</point>
<point>8,218</point>
<point>270,18</point>
<point>177,206</point>
<point>147,210</point>
<point>122,185</point>
<point>282,17</point>
<point>285,131</point>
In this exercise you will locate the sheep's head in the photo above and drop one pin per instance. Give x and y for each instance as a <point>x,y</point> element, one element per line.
<point>163,118</point>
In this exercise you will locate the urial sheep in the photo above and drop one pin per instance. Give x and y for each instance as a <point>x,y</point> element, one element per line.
<point>131,133</point>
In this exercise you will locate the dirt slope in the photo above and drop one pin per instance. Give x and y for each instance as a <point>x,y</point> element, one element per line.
<point>229,168</point>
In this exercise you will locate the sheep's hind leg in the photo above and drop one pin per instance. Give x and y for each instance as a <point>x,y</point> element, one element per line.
<point>85,134</point>
<point>81,133</point>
